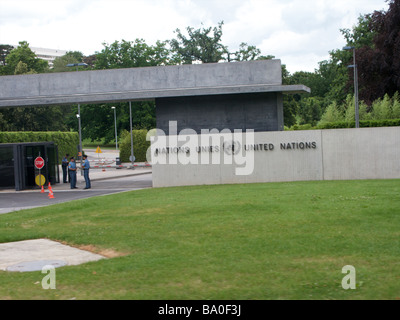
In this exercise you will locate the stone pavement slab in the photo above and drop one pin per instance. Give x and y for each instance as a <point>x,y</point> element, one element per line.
<point>32,255</point>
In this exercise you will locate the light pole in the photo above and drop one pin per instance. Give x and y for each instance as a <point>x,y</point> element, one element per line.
<point>77,65</point>
<point>354,65</point>
<point>115,119</point>
<point>80,139</point>
<point>130,121</point>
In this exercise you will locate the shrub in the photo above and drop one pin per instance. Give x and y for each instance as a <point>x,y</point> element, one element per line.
<point>396,106</point>
<point>140,145</point>
<point>66,142</point>
<point>382,108</point>
<point>332,114</point>
<point>302,127</point>
<point>348,124</point>
<point>363,124</point>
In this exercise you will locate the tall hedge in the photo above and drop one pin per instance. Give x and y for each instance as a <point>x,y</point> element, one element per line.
<point>67,142</point>
<point>140,145</point>
<point>349,124</point>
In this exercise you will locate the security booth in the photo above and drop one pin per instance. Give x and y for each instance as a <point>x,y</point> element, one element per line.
<point>19,167</point>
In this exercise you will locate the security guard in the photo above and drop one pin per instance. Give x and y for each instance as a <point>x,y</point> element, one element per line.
<point>72,173</point>
<point>86,167</point>
<point>65,168</point>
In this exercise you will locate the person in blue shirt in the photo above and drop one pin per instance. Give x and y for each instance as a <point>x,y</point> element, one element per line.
<point>72,173</point>
<point>86,167</point>
<point>65,168</point>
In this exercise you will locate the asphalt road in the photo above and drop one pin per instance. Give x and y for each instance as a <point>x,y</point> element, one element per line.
<point>13,201</point>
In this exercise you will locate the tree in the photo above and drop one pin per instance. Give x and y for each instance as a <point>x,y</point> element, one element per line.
<point>71,57</point>
<point>22,60</point>
<point>3,123</point>
<point>48,118</point>
<point>310,110</point>
<point>350,111</point>
<point>90,60</point>
<point>247,53</point>
<point>26,55</point>
<point>22,68</point>
<point>332,114</point>
<point>361,35</point>
<point>98,120</point>
<point>335,76</point>
<point>5,50</point>
<point>202,45</point>
<point>379,64</point>
<point>132,54</point>
<point>332,82</point>
<point>382,108</point>
<point>396,106</point>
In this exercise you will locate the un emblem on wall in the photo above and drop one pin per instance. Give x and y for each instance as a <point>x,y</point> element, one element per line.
<point>232,147</point>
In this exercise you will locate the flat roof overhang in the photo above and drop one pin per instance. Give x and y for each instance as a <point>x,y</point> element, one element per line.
<point>143,95</point>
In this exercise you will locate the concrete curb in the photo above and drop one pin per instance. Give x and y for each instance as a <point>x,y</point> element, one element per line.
<point>119,176</point>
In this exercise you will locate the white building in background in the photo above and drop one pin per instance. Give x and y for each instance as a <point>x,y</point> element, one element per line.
<point>48,54</point>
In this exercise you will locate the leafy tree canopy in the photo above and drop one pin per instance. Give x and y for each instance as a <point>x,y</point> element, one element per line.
<point>5,50</point>
<point>132,54</point>
<point>379,64</point>
<point>201,45</point>
<point>24,54</point>
<point>71,57</point>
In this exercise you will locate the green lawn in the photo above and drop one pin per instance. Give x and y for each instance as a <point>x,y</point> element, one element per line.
<point>259,241</point>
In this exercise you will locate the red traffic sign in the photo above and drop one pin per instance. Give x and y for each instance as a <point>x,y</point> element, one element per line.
<point>39,163</point>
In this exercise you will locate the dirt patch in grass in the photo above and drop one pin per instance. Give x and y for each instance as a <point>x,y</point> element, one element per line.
<point>108,253</point>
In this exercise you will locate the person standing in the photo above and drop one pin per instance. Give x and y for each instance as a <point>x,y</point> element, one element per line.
<point>72,173</point>
<point>86,167</point>
<point>64,164</point>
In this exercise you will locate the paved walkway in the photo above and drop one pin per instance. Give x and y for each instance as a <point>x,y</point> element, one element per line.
<point>106,173</point>
<point>103,183</point>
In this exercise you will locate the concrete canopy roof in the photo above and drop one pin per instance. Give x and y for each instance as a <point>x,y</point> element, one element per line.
<point>149,83</point>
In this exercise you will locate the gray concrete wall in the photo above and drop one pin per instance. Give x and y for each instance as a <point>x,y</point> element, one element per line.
<point>143,83</point>
<point>368,153</point>
<point>258,112</point>
<point>346,154</point>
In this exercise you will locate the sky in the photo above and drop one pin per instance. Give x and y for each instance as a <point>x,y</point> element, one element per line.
<point>298,32</point>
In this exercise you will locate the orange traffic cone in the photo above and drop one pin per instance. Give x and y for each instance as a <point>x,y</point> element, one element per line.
<point>42,189</point>
<point>51,195</point>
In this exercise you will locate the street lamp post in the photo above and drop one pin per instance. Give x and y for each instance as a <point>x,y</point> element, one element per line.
<point>115,119</point>
<point>80,139</point>
<point>354,65</point>
<point>130,122</point>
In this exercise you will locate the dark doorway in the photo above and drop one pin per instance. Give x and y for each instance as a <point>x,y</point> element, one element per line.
<point>18,168</point>
<point>7,167</point>
<point>30,154</point>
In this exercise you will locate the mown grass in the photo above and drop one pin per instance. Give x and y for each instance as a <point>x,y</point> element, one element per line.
<point>259,241</point>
